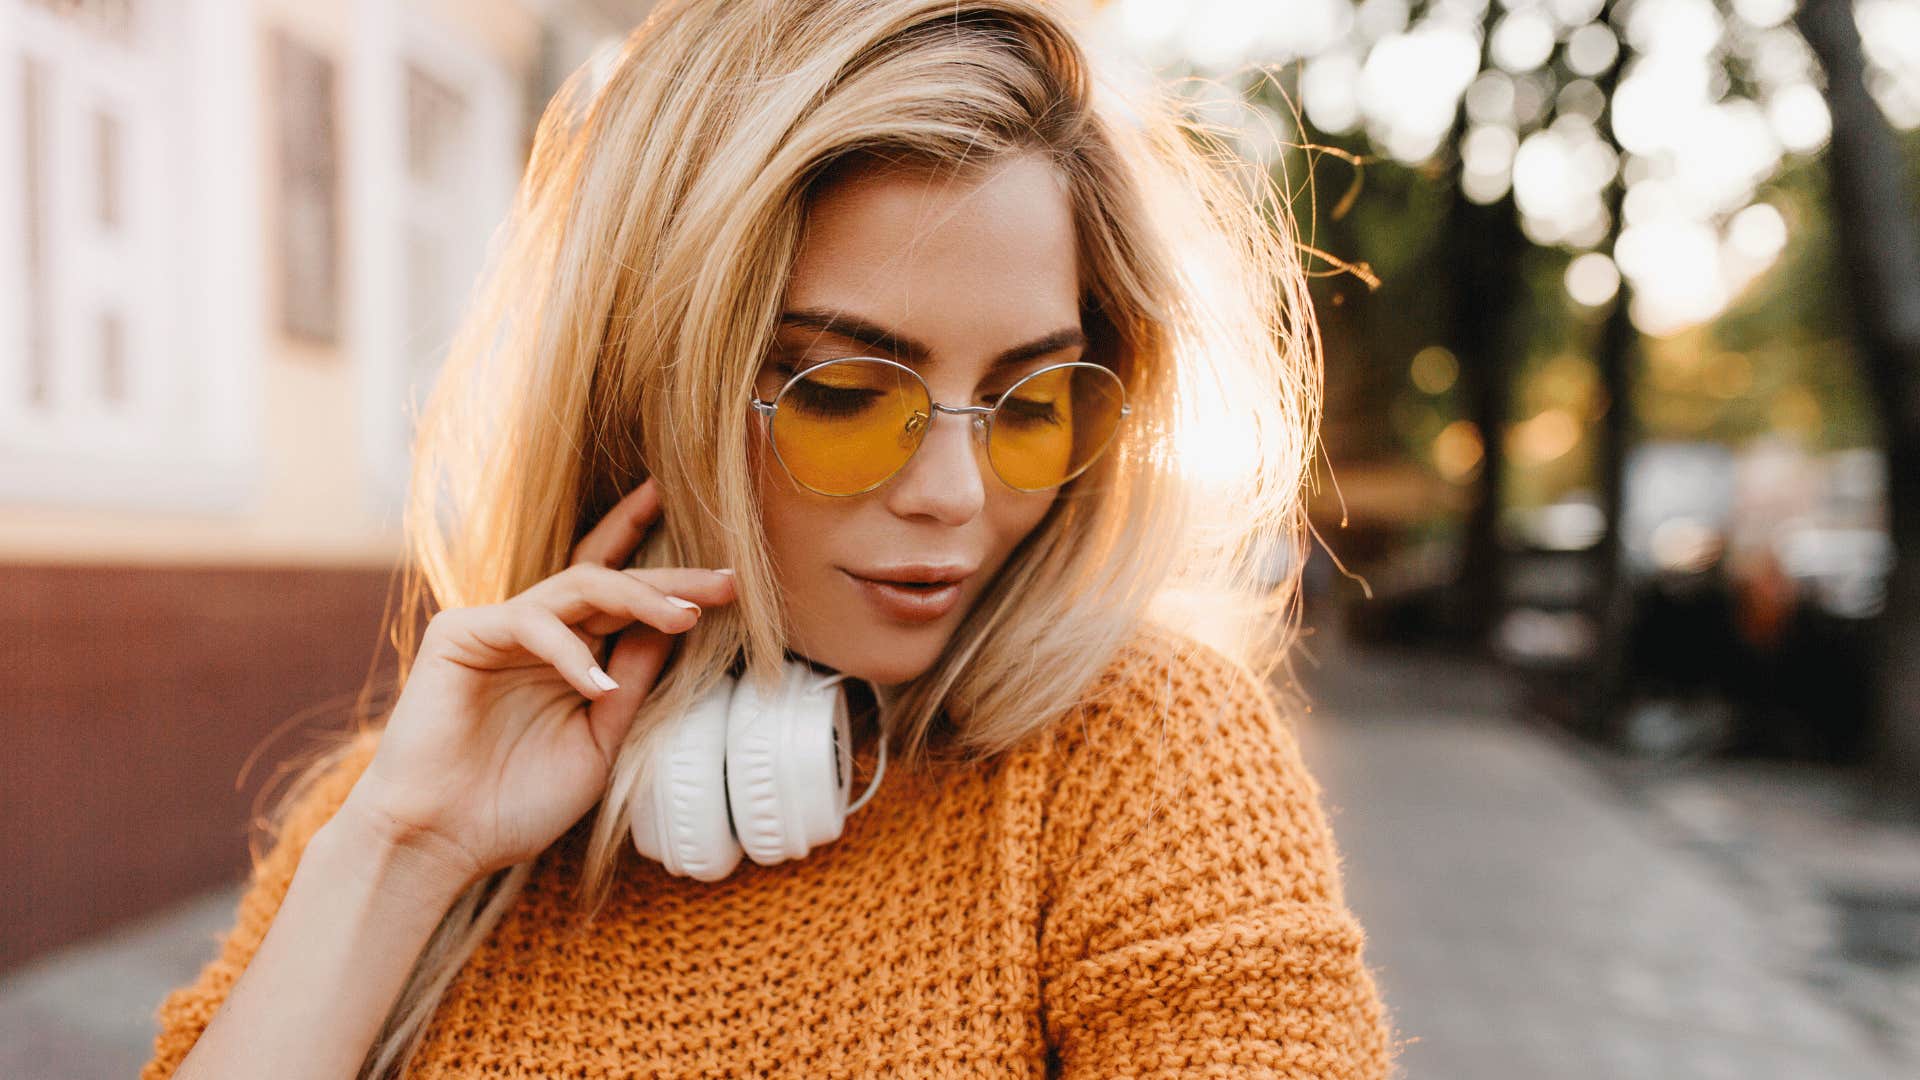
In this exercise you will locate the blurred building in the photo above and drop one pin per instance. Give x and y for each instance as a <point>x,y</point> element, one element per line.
<point>234,236</point>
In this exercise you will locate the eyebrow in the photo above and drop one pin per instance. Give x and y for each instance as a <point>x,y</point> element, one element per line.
<point>916,353</point>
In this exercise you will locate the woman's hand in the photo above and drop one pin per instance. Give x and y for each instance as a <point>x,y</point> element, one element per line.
<point>501,738</point>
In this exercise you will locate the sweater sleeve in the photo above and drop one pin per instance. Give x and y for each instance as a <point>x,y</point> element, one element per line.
<point>185,1012</point>
<point>1194,922</point>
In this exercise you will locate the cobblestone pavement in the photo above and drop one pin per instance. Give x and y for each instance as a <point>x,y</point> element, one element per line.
<point>1531,912</point>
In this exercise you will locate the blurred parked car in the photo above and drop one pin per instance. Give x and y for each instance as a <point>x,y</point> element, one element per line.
<point>1751,575</point>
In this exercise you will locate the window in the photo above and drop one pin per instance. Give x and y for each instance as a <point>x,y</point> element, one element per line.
<point>441,119</point>
<point>306,218</point>
<point>115,386</point>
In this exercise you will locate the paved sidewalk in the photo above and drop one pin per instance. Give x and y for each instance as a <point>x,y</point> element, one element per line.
<point>87,1012</point>
<point>1526,918</point>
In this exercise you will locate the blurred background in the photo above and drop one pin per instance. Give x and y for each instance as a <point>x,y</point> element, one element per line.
<point>1613,660</point>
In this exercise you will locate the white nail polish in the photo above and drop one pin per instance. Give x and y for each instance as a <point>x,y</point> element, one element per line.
<point>601,679</point>
<point>680,603</point>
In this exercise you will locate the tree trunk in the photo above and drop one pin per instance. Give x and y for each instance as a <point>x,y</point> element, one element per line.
<point>1880,247</point>
<point>1609,689</point>
<point>1486,246</point>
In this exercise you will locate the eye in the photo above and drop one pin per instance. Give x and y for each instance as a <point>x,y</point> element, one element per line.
<point>786,369</point>
<point>775,374</point>
<point>1039,399</point>
<point>1023,411</point>
<point>827,391</point>
<point>826,401</point>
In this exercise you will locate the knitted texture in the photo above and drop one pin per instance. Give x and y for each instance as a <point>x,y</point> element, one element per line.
<point>1147,889</point>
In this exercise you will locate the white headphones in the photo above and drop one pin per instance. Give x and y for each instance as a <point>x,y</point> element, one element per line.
<point>740,773</point>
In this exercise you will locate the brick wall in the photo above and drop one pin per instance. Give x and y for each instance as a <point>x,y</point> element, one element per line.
<point>130,699</point>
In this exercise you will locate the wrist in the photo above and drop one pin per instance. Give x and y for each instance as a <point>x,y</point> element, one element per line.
<point>395,857</point>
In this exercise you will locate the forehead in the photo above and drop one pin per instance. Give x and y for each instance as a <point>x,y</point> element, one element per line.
<point>968,264</point>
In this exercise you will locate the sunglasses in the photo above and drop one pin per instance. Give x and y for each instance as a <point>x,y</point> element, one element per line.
<point>845,426</point>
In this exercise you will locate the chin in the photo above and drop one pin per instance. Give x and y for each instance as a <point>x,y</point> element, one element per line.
<point>891,672</point>
<point>885,655</point>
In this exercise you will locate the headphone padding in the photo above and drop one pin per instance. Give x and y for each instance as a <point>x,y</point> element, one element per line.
<point>680,820</point>
<point>783,783</point>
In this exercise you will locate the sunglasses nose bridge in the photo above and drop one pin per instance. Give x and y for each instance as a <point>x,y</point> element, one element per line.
<point>977,414</point>
<point>921,425</point>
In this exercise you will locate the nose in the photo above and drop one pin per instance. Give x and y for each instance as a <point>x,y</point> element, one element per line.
<point>943,480</point>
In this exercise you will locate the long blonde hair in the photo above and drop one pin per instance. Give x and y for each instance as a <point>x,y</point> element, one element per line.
<point>635,288</point>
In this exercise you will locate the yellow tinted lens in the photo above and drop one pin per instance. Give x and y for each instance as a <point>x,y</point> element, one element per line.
<point>1051,425</point>
<point>844,426</point>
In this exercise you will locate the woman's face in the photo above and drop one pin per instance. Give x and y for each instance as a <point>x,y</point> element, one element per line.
<point>945,276</point>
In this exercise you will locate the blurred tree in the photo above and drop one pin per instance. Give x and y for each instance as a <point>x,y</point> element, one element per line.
<point>1574,192</point>
<point>1622,134</point>
<point>1879,239</point>
<point>1787,334</point>
<point>1613,354</point>
<point>1484,242</point>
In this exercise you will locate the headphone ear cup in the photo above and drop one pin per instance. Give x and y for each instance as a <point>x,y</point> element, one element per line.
<point>753,780</point>
<point>680,818</point>
<point>788,762</point>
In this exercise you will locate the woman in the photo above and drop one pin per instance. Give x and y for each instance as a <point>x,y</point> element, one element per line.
<point>1096,851</point>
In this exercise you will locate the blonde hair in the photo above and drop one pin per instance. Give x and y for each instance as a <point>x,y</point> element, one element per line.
<point>635,288</point>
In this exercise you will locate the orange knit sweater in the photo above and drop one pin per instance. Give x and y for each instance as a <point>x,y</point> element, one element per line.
<point>1147,889</point>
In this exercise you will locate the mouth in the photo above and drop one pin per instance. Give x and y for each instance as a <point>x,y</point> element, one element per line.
<point>916,574</point>
<point>911,594</point>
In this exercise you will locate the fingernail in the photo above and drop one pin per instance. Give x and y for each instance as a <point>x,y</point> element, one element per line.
<point>683,603</point>
<point>727,570</point>
<point>601,679</point>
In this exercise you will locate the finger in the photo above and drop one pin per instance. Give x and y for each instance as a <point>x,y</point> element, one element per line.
<point>596,643</point>
<point>612,540</point>
<point>587,593</point>
<point>702,586</point>
<point>603,599</point>
<point>501,633</point>
<point>639,654</point>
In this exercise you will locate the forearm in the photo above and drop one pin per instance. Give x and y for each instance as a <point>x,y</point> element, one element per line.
<point>357,913</point>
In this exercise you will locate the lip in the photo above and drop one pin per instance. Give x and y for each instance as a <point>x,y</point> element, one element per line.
<point>904,603</point>
<point>916,572</point>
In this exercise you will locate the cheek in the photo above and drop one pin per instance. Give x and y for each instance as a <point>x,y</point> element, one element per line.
<point>1017,513</point>
<point>796,524</point>
<point>776,504</point>
<point>774,508</point>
